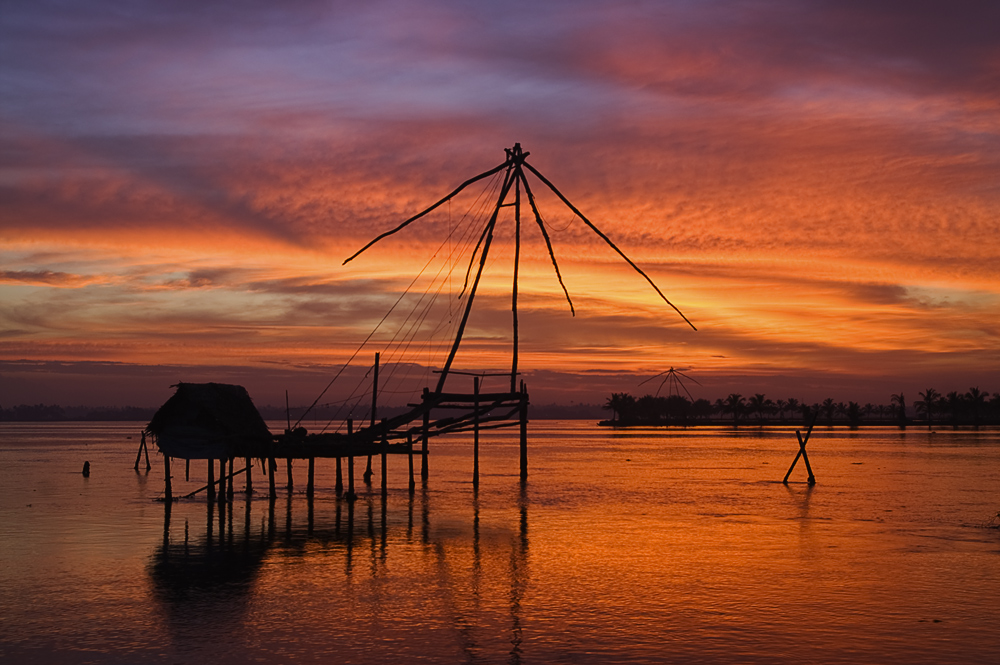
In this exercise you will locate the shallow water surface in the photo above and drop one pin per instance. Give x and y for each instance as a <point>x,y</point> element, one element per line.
<point>625,546</point>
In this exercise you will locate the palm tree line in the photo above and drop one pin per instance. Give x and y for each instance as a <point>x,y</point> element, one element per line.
<point>972,408</point>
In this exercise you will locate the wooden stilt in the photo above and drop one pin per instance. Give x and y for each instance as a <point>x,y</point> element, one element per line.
<point>368,468</point>
<point>138,453</point>
<point>351,496</point>
<point>424,435</point>
<point>288,468</point>
<point>340,477</point>
<point>249,468</point>
<point>272,466</point>
<point>211,480</point>
<point>168,494</point>
<point>311,480</point>
<point>523,413</point>
<point>475,431</point>
<point>145,451</point>
<point>385,467</point>
<point>222,474</point>
<point>187,469</point>
<point>802,453</point>
<point>229,485</point>
<point>409,455</point>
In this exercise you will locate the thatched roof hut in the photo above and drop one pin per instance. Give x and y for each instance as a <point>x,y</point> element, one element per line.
<point>210,421</point>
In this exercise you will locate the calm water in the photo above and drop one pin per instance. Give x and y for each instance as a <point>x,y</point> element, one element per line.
<point>625,546</point>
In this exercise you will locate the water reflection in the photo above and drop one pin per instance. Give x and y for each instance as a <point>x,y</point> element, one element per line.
<point>211,570</point>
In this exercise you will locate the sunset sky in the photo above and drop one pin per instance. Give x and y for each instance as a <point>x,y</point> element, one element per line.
<point>816,185</point>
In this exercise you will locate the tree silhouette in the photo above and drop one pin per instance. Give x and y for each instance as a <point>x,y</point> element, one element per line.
<point>734,404</point>
<point>829,407</point>
<point>927,404</point>
<point>976,400</point>
<point>899,400</point>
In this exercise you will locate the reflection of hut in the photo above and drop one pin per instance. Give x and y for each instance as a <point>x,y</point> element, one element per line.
<point>210,421</point>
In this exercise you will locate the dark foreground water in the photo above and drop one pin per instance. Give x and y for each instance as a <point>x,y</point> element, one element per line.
<point>624,547</point>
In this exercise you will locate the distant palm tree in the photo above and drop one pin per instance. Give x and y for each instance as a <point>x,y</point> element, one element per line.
<point>758,404</point>
<point>734,404</point>
<point>792,404</point>
<point>927,404</point>
<point>953,401</point>
<point>853,413</point>
<point>868,409</point>
<point>976,400</point>
<point>781,405</point>
<point>828,408</point>
<point>899,400</point>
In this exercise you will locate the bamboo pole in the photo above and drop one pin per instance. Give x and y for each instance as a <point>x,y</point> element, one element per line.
<point>351,496</point>
<point>409,455</point>
<point>168,495</point>
<point>523,413</point>
<point>475,431</point>
<point>310,483</point>
<point>248,469</point>
<point>211,480</point>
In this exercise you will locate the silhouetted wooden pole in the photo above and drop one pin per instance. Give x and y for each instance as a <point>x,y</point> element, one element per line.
<point>350,462</point>
<point>222,475</point>
<point>272,466</point>
<point>368,468</point>
<point>211,480</point>
<point>475,284</point>
<point>339,487</point>
<point>513,291</point>
<point>187,469</point>
<point>802,452</point>
<point>229,485</point>
<point>385,467</point>
<point>425,435</point>
<point>409,455</point>
<point>310,481</point>
<point>475,430</point>
<point>248,469</point>
<point>523,413</point>
<point>168,494</point>
<point>288,468</point>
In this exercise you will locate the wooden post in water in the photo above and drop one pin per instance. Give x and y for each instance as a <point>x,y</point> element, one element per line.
<point>168,494</point>
<point>288,467</point>
<point>424,435</point>
<point>187,469</point>
<point>802,453</point>
<point>409,455</point>
<point>211,480</point>
<point>340,477</point>
<point>249,468</point>
<point>229,485</point>
<point>351,496</point>
<point>312,471</point>
<point>222,479</point>
<point>272,466</point>
<point>475,431</point>
<point>385,456</point>
<point>368,468</point>
<point>523,412</point>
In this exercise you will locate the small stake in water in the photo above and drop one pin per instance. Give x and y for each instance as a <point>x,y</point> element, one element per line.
<point>802,453</point>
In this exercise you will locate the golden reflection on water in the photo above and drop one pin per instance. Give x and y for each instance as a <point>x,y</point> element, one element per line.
<point>637,546</point>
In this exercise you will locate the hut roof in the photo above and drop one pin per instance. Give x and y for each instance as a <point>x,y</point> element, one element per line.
<point>209,421</point>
